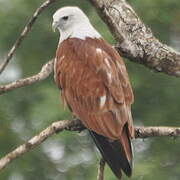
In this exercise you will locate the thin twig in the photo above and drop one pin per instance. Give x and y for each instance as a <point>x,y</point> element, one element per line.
<point>101,169</point>
<point>43,74</point>
<point>24,33</point>
<point>76,125</point>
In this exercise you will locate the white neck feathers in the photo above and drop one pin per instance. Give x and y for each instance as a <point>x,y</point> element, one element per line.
<point>80,31</point>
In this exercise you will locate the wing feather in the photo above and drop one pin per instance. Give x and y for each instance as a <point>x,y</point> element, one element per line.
<point>95,85</point>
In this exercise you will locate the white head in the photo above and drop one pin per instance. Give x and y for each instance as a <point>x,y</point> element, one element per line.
<point>72,22</point>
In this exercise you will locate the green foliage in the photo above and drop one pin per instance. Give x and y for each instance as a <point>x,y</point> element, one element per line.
<point>26,111</point>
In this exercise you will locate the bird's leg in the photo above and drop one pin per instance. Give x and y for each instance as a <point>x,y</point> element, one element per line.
<point>76,126</point>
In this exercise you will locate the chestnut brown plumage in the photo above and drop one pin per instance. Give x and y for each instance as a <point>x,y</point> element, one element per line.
<point>95,85</point>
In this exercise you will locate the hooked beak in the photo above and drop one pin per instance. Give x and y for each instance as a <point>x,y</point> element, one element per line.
<point>54,25</point>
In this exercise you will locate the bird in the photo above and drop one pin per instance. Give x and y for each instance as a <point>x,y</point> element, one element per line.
<point>94,84</point>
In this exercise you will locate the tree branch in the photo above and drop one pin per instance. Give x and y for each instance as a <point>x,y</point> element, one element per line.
<point>24,33</point>
<point>38,139</point>
<point>145,132</point>
<point>135,40</point>
<point>101,169</point>
<point>75,125</point>
<point>43,74</point>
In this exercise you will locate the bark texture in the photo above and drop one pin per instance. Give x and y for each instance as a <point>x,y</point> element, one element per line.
<point>75,125</point>
<point>144,132</point>
<point>135,40</point>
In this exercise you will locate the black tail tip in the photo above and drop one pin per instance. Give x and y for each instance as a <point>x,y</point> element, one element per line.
<point>114,155</point>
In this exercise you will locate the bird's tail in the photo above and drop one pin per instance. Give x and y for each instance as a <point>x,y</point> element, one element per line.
<point>117,153</point>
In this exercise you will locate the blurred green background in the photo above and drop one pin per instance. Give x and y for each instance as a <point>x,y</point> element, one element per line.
<point>69,155</point>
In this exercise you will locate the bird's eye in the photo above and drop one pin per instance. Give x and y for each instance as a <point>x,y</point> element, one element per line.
<point>65,18</point>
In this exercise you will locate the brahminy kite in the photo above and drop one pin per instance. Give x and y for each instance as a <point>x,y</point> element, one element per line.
<point>94,84</point>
